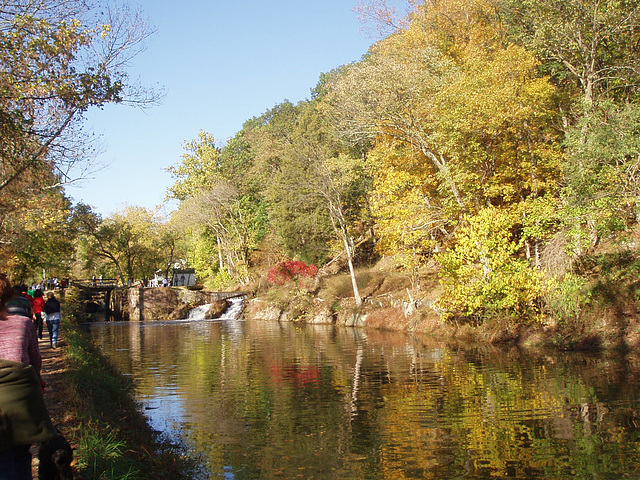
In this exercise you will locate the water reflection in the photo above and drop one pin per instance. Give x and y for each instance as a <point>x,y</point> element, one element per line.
<point>257,400</point>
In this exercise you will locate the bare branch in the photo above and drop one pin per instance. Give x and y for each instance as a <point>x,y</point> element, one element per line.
<point>384,18</point>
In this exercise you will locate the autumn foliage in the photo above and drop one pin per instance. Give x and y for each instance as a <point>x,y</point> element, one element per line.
<point>290,271</point>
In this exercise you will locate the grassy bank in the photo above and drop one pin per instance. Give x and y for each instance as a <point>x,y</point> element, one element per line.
<point>101,419</point>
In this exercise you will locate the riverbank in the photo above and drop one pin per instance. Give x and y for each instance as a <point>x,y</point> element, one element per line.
<point>93,406</point>
<point>596,308</point>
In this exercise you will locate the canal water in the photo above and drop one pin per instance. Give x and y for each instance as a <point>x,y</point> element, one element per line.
<point>267,400</point>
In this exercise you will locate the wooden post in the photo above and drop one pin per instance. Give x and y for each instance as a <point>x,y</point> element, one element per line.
<point>107,302</point>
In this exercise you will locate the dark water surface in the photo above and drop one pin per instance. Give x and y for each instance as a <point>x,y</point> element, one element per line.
<point>261,400</point>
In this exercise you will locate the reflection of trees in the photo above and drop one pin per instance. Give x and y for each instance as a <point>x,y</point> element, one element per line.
<point>289,400</point>
<point>494,418</point>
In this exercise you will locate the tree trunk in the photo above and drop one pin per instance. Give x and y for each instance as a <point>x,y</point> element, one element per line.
<point>352,272</point>
<point>220,261</point>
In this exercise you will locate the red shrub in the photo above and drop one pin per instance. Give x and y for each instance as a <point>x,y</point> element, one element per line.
<point>290,271</point>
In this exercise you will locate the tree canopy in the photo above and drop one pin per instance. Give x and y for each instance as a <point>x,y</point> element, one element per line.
<point>58,58</point>
<point>473,135</point>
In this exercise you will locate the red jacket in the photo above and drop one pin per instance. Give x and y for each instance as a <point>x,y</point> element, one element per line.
<point>38,305</point>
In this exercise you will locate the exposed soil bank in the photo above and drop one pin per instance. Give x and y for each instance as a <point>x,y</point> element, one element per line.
<point>607,331</point>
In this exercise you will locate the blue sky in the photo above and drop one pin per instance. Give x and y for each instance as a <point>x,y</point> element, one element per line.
<point>220,62</point>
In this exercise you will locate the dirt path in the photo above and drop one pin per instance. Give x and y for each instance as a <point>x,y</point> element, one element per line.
<point>54,366</point>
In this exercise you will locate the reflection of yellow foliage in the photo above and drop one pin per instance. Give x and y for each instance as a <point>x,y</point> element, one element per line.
<point>490,413</point>
<point>404,410</point>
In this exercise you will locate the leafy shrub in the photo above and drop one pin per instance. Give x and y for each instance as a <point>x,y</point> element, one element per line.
<point>291,271</point>
<point>567,297</point>
<point>483,275</point>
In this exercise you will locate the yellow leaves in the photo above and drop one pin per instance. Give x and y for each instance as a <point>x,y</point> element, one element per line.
<point>41,213</point>
<point>38,54</point>
<point>451,86</point>
<point>344,170</point>
<point>105,30</point>
<point>403,204</point>
<point>453,25</point>
<point>483,273</point>
<point>493,90</point>
<point>198,170</point>
<point>462,120</point>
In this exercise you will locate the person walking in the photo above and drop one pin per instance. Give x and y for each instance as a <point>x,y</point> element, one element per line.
<point>53,313</point>
<point>24,417</point>
<point>38,311</point>
<point>19,303</point>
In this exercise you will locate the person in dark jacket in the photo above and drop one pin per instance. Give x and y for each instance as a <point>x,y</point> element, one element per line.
<point>52,312</point>
<point>19,303</point>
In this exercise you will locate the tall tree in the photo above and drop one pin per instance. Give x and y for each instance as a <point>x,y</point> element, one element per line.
<point>99,239</point>
<point>602,193</point>
<point>591,42</point>
<point>220,204</point>
<point>222,212</point>
<point>135,241</point>
<point>590,49</point>
<point>58,58</point>
<point>299,221</point>
<point>35,237</point>
<point>316,173</point>
<point>463,115</point>
<point>199,168</point>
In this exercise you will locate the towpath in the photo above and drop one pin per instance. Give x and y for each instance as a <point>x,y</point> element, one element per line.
<point>54,366</point>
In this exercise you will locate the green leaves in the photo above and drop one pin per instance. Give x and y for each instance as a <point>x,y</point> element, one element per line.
<point>474,135</point>
<point>593,42</point>
<point>603,190</point>
<point>198,169</point>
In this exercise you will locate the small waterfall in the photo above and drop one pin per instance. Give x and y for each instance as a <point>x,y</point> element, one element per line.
<point>232,312</point>
<point>235,309</point>
<point>198,312</point>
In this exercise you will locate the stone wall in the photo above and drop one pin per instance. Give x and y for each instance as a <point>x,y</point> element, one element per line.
<point>259,309</point>
<point>172,303</point>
